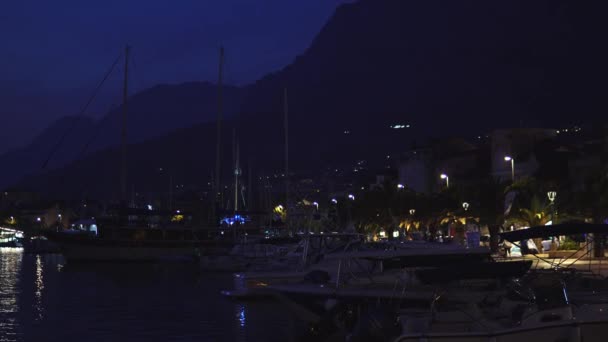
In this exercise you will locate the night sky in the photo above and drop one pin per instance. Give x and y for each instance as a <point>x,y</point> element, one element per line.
<point>54,52</point>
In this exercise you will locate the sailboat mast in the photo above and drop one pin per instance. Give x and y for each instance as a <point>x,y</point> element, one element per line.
<point>217,186</point>
<point>286,128</point>
<point>237,172</point>
<point>123,170</point>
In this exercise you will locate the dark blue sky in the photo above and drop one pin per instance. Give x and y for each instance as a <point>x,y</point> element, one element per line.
<point>54,52</point>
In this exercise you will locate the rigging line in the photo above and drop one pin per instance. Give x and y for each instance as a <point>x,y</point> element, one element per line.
<point>97,127</point>
<point>82,111</point>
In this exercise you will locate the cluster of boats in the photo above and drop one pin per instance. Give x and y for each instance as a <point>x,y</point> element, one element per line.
<point>430,292</point>
<point>344,288</point>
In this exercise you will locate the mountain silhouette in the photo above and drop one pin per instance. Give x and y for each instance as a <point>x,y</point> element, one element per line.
<point>440,68</point>
<point>152,113</point>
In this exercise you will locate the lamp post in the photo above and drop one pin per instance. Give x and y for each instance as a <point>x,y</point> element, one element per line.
<point>447,179</point>
<point>551,195</point>
<point>316,204</point>
<point>400,186</point>
<point>412,212</point>
<point>512,160</point>
<point>465,206</point>
<point>350,217</point>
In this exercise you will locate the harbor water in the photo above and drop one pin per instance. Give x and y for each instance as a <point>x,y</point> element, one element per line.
<point>44,299</point>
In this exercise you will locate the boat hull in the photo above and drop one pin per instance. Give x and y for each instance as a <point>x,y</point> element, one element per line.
<point>81,253</point>
<point>82,248</point>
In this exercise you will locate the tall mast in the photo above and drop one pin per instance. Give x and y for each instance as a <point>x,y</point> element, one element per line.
<point>123,170</point>
<point>286,128</point>
<point>237,172</point>
<point>217,186</point>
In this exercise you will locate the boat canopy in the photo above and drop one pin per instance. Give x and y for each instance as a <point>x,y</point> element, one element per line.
<point>554,230</point>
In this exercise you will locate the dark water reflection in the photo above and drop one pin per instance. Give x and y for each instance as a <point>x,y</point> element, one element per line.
<point>44,299</point>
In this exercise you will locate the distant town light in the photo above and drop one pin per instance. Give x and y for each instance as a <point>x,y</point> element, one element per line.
<point>38,219</point>
<point>149,207</point>
<point>395,233</point>
<point>508,158</point>
<point>443,176</point>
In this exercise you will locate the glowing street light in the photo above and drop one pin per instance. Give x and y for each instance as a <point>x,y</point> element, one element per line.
<point>465,206</point>
<point>512,160</point>
<point>412,212</point>
<point>551,195</point>
<point>447,179</point>
<point>334,201</point>
<point>316,205</point>
<point>400,186</point>
<point>351,197</point>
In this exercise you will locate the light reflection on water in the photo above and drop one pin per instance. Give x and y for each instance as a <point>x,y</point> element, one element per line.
<point>241,314</point>
<point>38,307</point>
<point>41,296</point>
<point>10,271</point>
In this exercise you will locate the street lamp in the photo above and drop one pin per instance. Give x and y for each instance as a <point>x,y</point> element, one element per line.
<point>316,205</point>
<point>512,160</point>
<point>334,201</point>
<point>551,195</point>
<point>400,186</point>
<point>351,197</point>
<point>465,205</point>
<point>447,179</point>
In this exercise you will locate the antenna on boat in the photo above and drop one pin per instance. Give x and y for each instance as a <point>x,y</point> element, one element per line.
<point>286,128</point>
<point>123,171</point>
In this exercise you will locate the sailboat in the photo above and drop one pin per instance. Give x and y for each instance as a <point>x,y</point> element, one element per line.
<point>133,234</point>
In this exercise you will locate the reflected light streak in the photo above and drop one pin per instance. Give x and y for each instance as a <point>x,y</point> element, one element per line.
<point>240,315</point>
<point>10,270</point>
<point>38,307</point>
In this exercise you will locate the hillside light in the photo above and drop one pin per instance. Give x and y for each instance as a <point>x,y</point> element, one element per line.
<point>447,179</point>
<point>512,160</point>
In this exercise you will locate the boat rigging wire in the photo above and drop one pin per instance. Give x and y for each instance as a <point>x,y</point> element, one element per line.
<point>81,113</point>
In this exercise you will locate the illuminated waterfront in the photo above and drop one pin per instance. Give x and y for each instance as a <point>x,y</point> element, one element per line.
<point>42,298</point>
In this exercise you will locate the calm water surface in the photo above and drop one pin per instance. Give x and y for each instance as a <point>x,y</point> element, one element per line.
<point>44,299</point>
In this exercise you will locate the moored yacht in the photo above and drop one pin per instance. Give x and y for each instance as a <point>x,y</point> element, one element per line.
<point>133,235</point>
